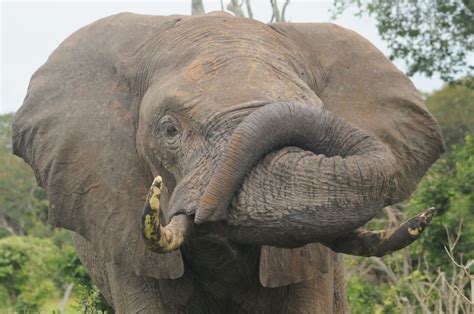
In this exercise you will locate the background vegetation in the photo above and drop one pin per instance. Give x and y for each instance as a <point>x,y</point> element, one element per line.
<point>435,274</point>
<point>40,271</point>
<point>433,36</point>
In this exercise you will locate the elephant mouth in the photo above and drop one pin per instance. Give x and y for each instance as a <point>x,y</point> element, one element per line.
<point>343,181</point>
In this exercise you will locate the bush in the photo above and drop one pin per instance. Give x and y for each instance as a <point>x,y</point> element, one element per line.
<point>423,278</point>
<point>364,296</point>
<point>88,297</point>
<point>26,268</point>
<point>34,270</point>
<point>449,187</point>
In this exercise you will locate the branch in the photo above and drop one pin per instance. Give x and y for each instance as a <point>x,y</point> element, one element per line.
<point>452,244</point>
<point>378,243</point>
<point>283,11</point>
<point>275,11</point>
<point>66,295</point>
<point>249,9</point>
<point>383,267</point>
<point>236,8</point>
<point>465,268</point>
<point>10,225</point>
<point>197,8</point>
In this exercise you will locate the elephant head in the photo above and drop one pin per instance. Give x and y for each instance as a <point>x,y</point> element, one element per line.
<point>276,135</point>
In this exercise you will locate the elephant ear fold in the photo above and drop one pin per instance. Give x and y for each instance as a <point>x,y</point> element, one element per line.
<point>76,129</point>
<point>281,267</point>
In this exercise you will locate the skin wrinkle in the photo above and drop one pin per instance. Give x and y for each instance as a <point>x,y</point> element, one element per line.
<point>243,45</point>
<point>227,115</point>
<point>278,188</point>
<point>279,119</point>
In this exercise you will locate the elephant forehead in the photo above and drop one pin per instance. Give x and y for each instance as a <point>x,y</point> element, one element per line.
<point>204,89</point>
<point>244,97</point>
<point>215,31</point>
<point>199,46</point>
<point>201,68</point>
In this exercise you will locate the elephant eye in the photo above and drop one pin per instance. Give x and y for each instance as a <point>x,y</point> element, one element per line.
<point>169,126</point>
<point>171,130</point>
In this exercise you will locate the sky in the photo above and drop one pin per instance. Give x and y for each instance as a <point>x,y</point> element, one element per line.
<point>31,30</point>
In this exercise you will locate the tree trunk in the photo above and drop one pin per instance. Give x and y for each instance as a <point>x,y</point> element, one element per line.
<point>197,8</point>
<point>66,295</point>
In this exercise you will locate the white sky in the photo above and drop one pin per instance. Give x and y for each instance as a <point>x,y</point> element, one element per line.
<point>31,30</point>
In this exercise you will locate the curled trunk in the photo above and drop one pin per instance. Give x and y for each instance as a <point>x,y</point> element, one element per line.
<point>311,177</point>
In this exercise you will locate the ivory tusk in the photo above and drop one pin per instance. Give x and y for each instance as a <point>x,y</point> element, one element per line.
<point>378,243</point>
<point>158,238</point>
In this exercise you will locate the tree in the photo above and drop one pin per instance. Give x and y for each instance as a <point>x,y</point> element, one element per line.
<point>453,107</point>
<point>448,186</point>
<point>237,8</point>
<point>27,268</point>
<point>197,8</point>
<point>431,36</point>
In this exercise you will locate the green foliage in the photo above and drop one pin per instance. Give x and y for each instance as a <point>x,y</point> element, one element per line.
<point>6,132</point>
<point>33,270</point>
<point>448,186</point>
<point>453,107</point>
<point>431,36</point>
<point>26,265</point>
<point>421,277</point>
<point>88,297</point>
<point>91,301</point>
<point>363,296</point>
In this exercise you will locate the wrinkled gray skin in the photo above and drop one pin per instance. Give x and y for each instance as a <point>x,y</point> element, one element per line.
<point>130,97</point>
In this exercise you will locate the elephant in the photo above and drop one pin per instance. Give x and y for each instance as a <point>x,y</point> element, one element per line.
<point>267,147</point>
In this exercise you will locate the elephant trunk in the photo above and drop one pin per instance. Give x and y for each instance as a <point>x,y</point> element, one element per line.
<point>338,185</point>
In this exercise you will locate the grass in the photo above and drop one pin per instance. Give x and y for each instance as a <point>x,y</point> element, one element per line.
<point>52,306</point>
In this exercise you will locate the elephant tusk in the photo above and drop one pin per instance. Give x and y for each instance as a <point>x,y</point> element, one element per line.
<point>158,238</point>
<point>378,243</point>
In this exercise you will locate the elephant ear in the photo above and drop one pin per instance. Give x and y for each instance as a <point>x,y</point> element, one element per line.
<point>359,84</point>
<point>76,129</point>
